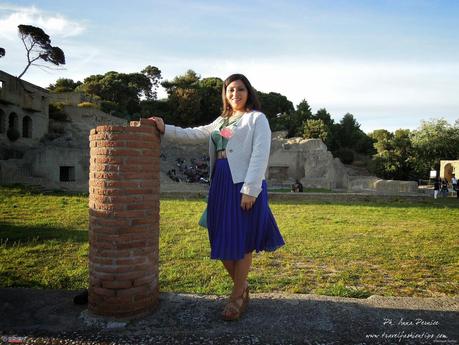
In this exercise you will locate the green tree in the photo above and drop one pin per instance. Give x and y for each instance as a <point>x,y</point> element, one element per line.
<point>185,81</point>
<point>349,131</point>
<point>274,104</point>
<point>64,85</point>
<point>277,108</point>
<point>330,127</point>
<point>154,74</point>
<point>210,91</point>
<point>295,120</point>
<point>322,114</point>
<point>315,129</point>
<point>38,47</point>
<point>393,159</point>
<point>121,93</point>
<point>184,99</point>
<point>2,52</point>
<point>433,141</point>
<point>349,135</point>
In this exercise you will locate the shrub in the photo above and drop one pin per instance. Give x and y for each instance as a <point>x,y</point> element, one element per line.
<point>345,155</point>
<point>87,105</point>
<point>108,107</point>
<point>57,113</point>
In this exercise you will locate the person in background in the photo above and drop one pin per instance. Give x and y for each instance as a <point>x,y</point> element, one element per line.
<point>297,187</point>
<point>444,188</point>
<point>436,187</point>
<point>454,183</point>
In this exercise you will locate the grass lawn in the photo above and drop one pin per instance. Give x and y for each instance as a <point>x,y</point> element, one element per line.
<point>353,249</point>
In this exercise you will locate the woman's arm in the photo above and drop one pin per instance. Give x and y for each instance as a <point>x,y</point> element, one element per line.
<point>259,158</point>
<point>191,135</point>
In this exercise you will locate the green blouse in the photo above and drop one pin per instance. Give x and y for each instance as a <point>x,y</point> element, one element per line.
<point>220,142</point>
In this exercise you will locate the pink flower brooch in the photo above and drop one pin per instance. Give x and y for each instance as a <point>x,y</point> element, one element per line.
<point>226,133</point>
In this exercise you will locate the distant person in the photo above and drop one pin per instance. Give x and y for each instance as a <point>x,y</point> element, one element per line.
<point>454,182</point>
<point>444,188</point>
<point>297,187</point>
<point>436,187</point>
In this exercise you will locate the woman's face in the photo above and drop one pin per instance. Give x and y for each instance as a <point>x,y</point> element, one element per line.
<point>236,95</point>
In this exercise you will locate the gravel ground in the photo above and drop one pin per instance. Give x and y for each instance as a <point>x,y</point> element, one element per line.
<point>50,317</point>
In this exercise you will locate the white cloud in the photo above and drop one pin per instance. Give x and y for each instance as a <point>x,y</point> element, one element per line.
<point>53,24</point>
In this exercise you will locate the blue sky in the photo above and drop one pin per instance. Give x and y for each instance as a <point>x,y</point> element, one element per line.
<point>390,63</point>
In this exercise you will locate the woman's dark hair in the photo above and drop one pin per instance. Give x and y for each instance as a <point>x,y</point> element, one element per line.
<point>253,103</point>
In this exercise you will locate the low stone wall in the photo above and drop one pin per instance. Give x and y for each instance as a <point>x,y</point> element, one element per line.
<point>315,197</point>
<point>379,186</point>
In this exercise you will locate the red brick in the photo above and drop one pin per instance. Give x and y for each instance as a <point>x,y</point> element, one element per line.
<point>103,292</point>
<point>123,152</point>
<point>117,284</point>
<point>101,129</point>
<point>107,143</point>
<point>101,276</point>
<point>129,275</point>
<point>149,280</point>
<point>114,253</point>
<point>132,291</point>
<point>130,261</point>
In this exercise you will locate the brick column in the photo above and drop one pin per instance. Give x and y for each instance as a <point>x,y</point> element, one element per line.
<point>124,220</point>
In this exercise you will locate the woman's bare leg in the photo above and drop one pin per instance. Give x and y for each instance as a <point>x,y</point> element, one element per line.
<point>229,265</point>
<point>238,270</point>
<point>241,271</point>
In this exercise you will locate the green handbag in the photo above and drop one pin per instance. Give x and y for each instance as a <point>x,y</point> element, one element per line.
<point>203,219</point>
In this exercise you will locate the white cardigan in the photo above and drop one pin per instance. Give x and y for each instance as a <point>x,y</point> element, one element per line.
<point>247,150</point>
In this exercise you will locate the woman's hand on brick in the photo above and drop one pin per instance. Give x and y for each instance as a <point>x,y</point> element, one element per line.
<point>159,123</point>
<point>247,201</point>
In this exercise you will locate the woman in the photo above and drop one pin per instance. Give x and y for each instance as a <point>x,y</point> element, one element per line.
<point>239,219</point>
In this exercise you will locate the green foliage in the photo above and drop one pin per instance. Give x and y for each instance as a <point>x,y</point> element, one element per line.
<point>294,121</point>
<point>322,114</point>
<point>346,155</point>
<point>154,74</point>
<point>192,101</point>
<point>87,105</point>
<point>210,99</point>
<point>56,112</point>
<point>64,85</point>
<point>393,159</point>
<point>347,134</point>
<point>274,104</point>
<point>2,52</point>
<point>123,91</point>
<point>409,155</point>
<point>109,107</point>
<point>433,141</point>
<point>315,128</point>
<point>13,134</point>
<point>349,130</point>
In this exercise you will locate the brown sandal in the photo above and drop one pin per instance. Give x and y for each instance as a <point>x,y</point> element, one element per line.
<point>235,310</point>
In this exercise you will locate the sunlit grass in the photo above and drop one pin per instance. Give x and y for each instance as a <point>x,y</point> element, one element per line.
<point>353,249</point>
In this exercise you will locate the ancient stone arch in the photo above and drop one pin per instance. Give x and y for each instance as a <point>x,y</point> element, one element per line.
<point>13,121</point>
<point>27,127</point>
<point>2,121</point>
<point>448,171</point>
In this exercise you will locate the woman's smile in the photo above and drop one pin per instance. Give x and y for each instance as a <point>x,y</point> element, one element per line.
<point>237,94</point>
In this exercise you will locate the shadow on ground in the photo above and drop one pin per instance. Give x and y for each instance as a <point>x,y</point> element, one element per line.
<point>52,318</point>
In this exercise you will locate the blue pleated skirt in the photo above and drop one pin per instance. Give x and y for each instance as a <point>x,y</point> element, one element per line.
<point>233,232</point>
